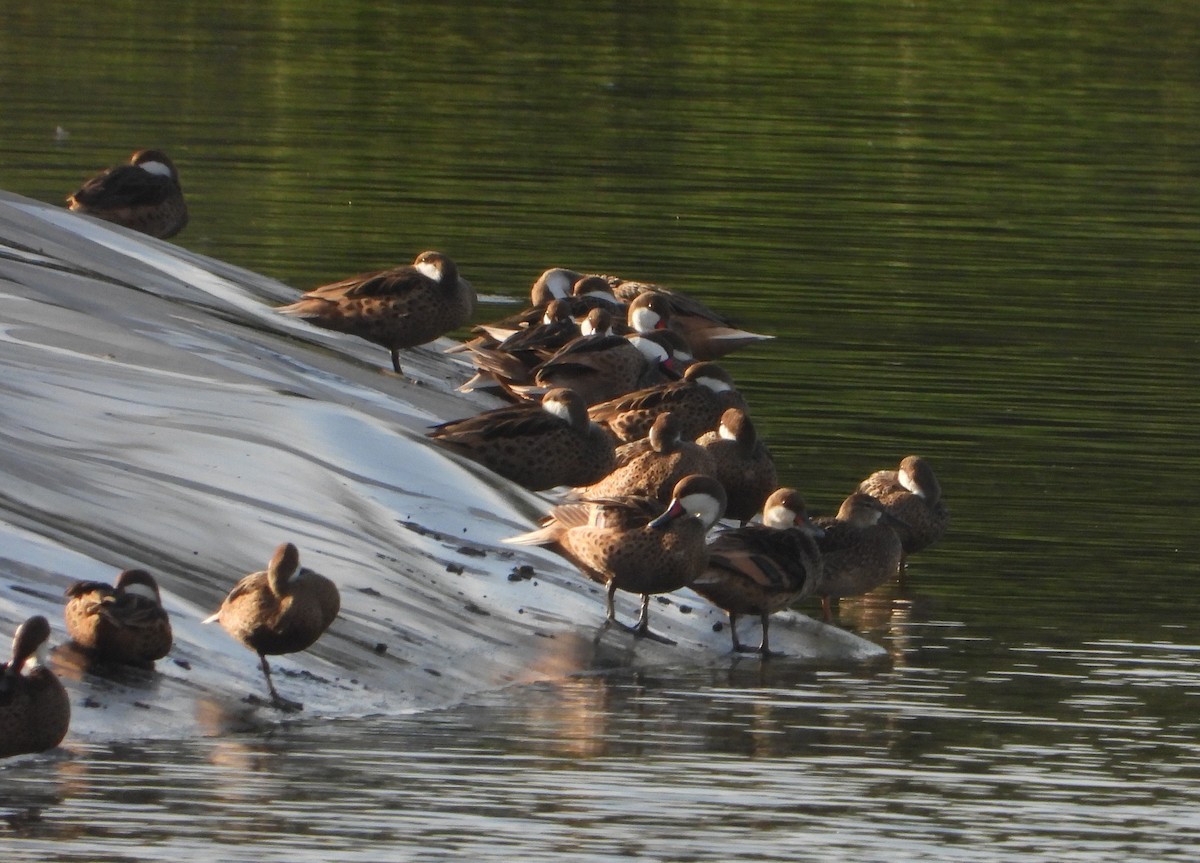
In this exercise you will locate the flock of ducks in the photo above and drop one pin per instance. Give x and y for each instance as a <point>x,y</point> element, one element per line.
<point>613,394</point>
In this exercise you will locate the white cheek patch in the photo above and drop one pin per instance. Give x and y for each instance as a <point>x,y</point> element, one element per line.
<point>717,386</point>
<point>156,168</point>
<point>559,285</point>
<point>558,409</point>
<point>779,517</point>
<point>142,590</point>
<point>650,349</point>
<point>726,432</point>
<point>430,271</point>
<point>910,482</point>
<point>703,506</point>
<point>40,656</point>
<point>644,320</point>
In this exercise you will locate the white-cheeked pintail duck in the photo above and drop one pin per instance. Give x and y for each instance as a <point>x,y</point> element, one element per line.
<point>913,495</point>
<point>633,544</point>
<point>538,446</point>
<point>35,711</point>
<point>859,550</point>
<point>743,463</point>
<point>762,568</point>
<point>697,401</point>
<point>143,195</point>
<point>282,609</point>
<point>124,623</point>
<point>397,308</point>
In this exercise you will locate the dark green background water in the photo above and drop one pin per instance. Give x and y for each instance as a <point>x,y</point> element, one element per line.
<point>974,229</point>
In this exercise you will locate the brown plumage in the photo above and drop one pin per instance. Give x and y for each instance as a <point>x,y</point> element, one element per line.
<point>762,568</point>
<point>538,446</point>
<point>34,709</point>
<point>282,609</point>
<point>598,367</point>
<point>144,195</point>
<point>859,551</point>
<point>743,463</point>
<point>709,334</point>
<point>401,307</point>
<point>913,496</point>
<point>697,401</point>
<point>123,623</point>
<point>651,467</point>
<point>633,544</point>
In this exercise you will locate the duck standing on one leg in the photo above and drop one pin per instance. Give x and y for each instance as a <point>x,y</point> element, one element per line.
<point>34,708</point>
<point>401,307</point>
<point>282,609</point>
<point>125,623</point>
<point>633,544</point>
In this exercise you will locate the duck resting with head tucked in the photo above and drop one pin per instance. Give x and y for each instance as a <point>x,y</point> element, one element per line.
<point>124,623</point>
<point>34,709</point>
<point>401,307</point>
<point>860,550</point>
<point>143,195</point>
<point>913,496</point>
<point>537,446</point>
<point>763,568</point>
<point>633,544</point>
<point>282,609</point>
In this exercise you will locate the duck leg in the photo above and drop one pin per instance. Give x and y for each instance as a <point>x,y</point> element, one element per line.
<point>763,649</point>
<point>396,359</point>
<point>642,630</point>
<point>277,701</point>
<point>738,647</point>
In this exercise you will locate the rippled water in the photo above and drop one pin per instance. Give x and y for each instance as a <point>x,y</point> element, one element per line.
<point>974,232</point>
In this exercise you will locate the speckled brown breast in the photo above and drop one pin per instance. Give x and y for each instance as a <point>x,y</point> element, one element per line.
<point>696,408</point>
<point>639,560</point>
<point>35,712</point>
<point>747,472</point>
<point>644,472</point>
<point>856,560</point>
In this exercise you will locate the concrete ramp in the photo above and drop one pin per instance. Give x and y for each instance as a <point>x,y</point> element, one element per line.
<point>158,414</point>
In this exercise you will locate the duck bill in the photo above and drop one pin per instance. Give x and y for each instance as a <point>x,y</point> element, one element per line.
<point>671,368</point>
<point>674,511</point>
